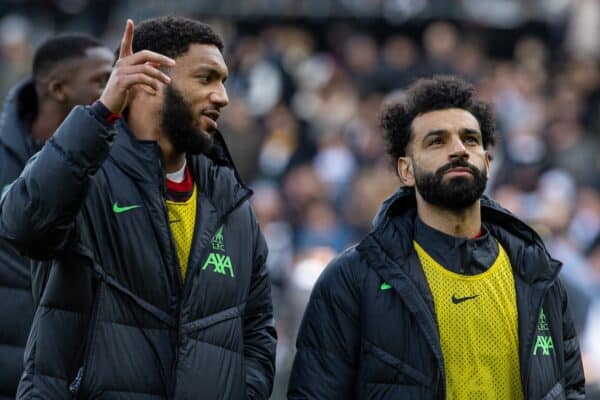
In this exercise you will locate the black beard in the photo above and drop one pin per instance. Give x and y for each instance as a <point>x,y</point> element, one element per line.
<point>458,193</point>
<point>180,126</point>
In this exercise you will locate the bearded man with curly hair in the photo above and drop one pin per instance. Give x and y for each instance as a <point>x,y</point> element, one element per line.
<point>450,296</point>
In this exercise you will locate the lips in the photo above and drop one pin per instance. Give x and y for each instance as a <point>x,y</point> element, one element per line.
<point>457,168</point>
<point>212,116</point>
<point>460,170</point>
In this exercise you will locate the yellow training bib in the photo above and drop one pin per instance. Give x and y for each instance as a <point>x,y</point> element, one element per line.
<point>478,327</point>
<point>182,219</point>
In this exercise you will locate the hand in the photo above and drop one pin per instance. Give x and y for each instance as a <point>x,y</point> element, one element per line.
<point>141,68</point>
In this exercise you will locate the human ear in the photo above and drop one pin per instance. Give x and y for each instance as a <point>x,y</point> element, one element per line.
<point>406,171</point>
<point>56,89</point>
<point>488,161</point>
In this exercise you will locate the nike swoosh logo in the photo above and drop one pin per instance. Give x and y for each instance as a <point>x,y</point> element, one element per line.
<point>457,300</point>
<point>385,286</point>
<point>117,209</point>
<point>5,188</point>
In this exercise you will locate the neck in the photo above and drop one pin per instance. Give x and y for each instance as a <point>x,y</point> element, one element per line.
<point>458,223</point>
<point>174,160</point>
<point>49,116</point>
<point>146,126</point>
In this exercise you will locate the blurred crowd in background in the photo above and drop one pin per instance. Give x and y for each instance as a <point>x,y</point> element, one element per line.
<point>307,83</point>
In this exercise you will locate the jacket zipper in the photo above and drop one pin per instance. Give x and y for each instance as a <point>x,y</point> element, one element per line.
<point>183,286</point>
<point>220,221</point>
<point>422,305</point>
<point>76,384</point>
<point>179,332</point>
<point>163,194</point>
<point>441,380</point>
<point>438,354</point>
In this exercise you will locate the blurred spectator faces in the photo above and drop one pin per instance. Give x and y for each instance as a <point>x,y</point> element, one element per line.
<point>585,225</point>
<point>270,213</point>
<point>301,186</point>
<point>334,163</point>
<point>280,143</point>
<point>309,266</point>
<point>321,226</point>
<point>15,54</point>
<point>440,44</point>
<point>556,195</point>
<point>361,55</point>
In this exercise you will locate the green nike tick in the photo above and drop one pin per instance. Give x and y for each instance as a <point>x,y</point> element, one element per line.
<point>118,210</point>
<point>4,188</point>
<point>385,286</point>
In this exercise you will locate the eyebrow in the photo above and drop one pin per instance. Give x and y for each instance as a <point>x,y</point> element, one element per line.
<point>439,132</point>
<point>470,131</point>
<point>211,69</point>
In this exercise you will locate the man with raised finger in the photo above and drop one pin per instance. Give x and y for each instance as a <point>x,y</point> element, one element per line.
<point>156,284</point>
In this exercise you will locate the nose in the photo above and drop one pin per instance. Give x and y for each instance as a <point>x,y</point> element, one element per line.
<point>219,96</point>
<point>458,148</point>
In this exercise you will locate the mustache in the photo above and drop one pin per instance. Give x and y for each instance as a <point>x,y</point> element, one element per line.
<point>458,163</point>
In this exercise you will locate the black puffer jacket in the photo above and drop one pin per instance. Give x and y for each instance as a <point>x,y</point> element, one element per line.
<point>16,310</point>
<point>358,342</point>
<point>114,320</point>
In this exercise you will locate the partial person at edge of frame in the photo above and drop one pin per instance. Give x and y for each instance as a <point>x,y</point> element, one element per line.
<point>67,70</point>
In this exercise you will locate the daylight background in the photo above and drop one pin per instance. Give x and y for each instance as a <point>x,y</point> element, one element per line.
<point>307,81</point>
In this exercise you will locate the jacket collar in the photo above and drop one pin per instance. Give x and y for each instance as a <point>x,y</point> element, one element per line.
<point>218,178</point>
<point>215,173</point>
<point>14,132</point>
<point>517,237</point>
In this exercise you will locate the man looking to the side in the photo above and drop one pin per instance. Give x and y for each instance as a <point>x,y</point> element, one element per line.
<point>450,296</point>
<point>157,286</point>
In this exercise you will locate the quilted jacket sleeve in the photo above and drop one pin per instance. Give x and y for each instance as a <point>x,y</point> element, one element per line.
<point>37,213</point>
<point>328,343</point>
<point>259,328</point>
<point>573,367</point>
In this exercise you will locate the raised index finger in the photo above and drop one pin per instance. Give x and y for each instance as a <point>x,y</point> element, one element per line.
<point>127,41</point>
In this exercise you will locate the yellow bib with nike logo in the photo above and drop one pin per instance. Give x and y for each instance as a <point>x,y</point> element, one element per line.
<point>478,327</point>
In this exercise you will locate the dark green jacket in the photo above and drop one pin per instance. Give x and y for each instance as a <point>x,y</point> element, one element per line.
<point>114,319</point>
<point>16,310</point>
<point>360,342</point>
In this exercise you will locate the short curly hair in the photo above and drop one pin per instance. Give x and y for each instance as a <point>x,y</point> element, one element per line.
<point>431,94</point>
<point>173,35</point>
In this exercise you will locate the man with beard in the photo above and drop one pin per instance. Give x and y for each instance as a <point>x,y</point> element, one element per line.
<point>449,296</point>
<point>67,70</point>
<point>155,283</point>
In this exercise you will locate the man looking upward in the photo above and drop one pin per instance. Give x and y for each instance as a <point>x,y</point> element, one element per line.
<point>450,296</point>
<point>157,286</point>
<point>68,70</point>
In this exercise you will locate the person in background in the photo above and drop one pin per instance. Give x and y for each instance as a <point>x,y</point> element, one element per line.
<point>449,296</point>
<point>68,70</point>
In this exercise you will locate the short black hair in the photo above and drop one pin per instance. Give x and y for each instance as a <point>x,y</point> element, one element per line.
<point>431,94</point>
<point>173,35</point>
<point>58,49</point>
